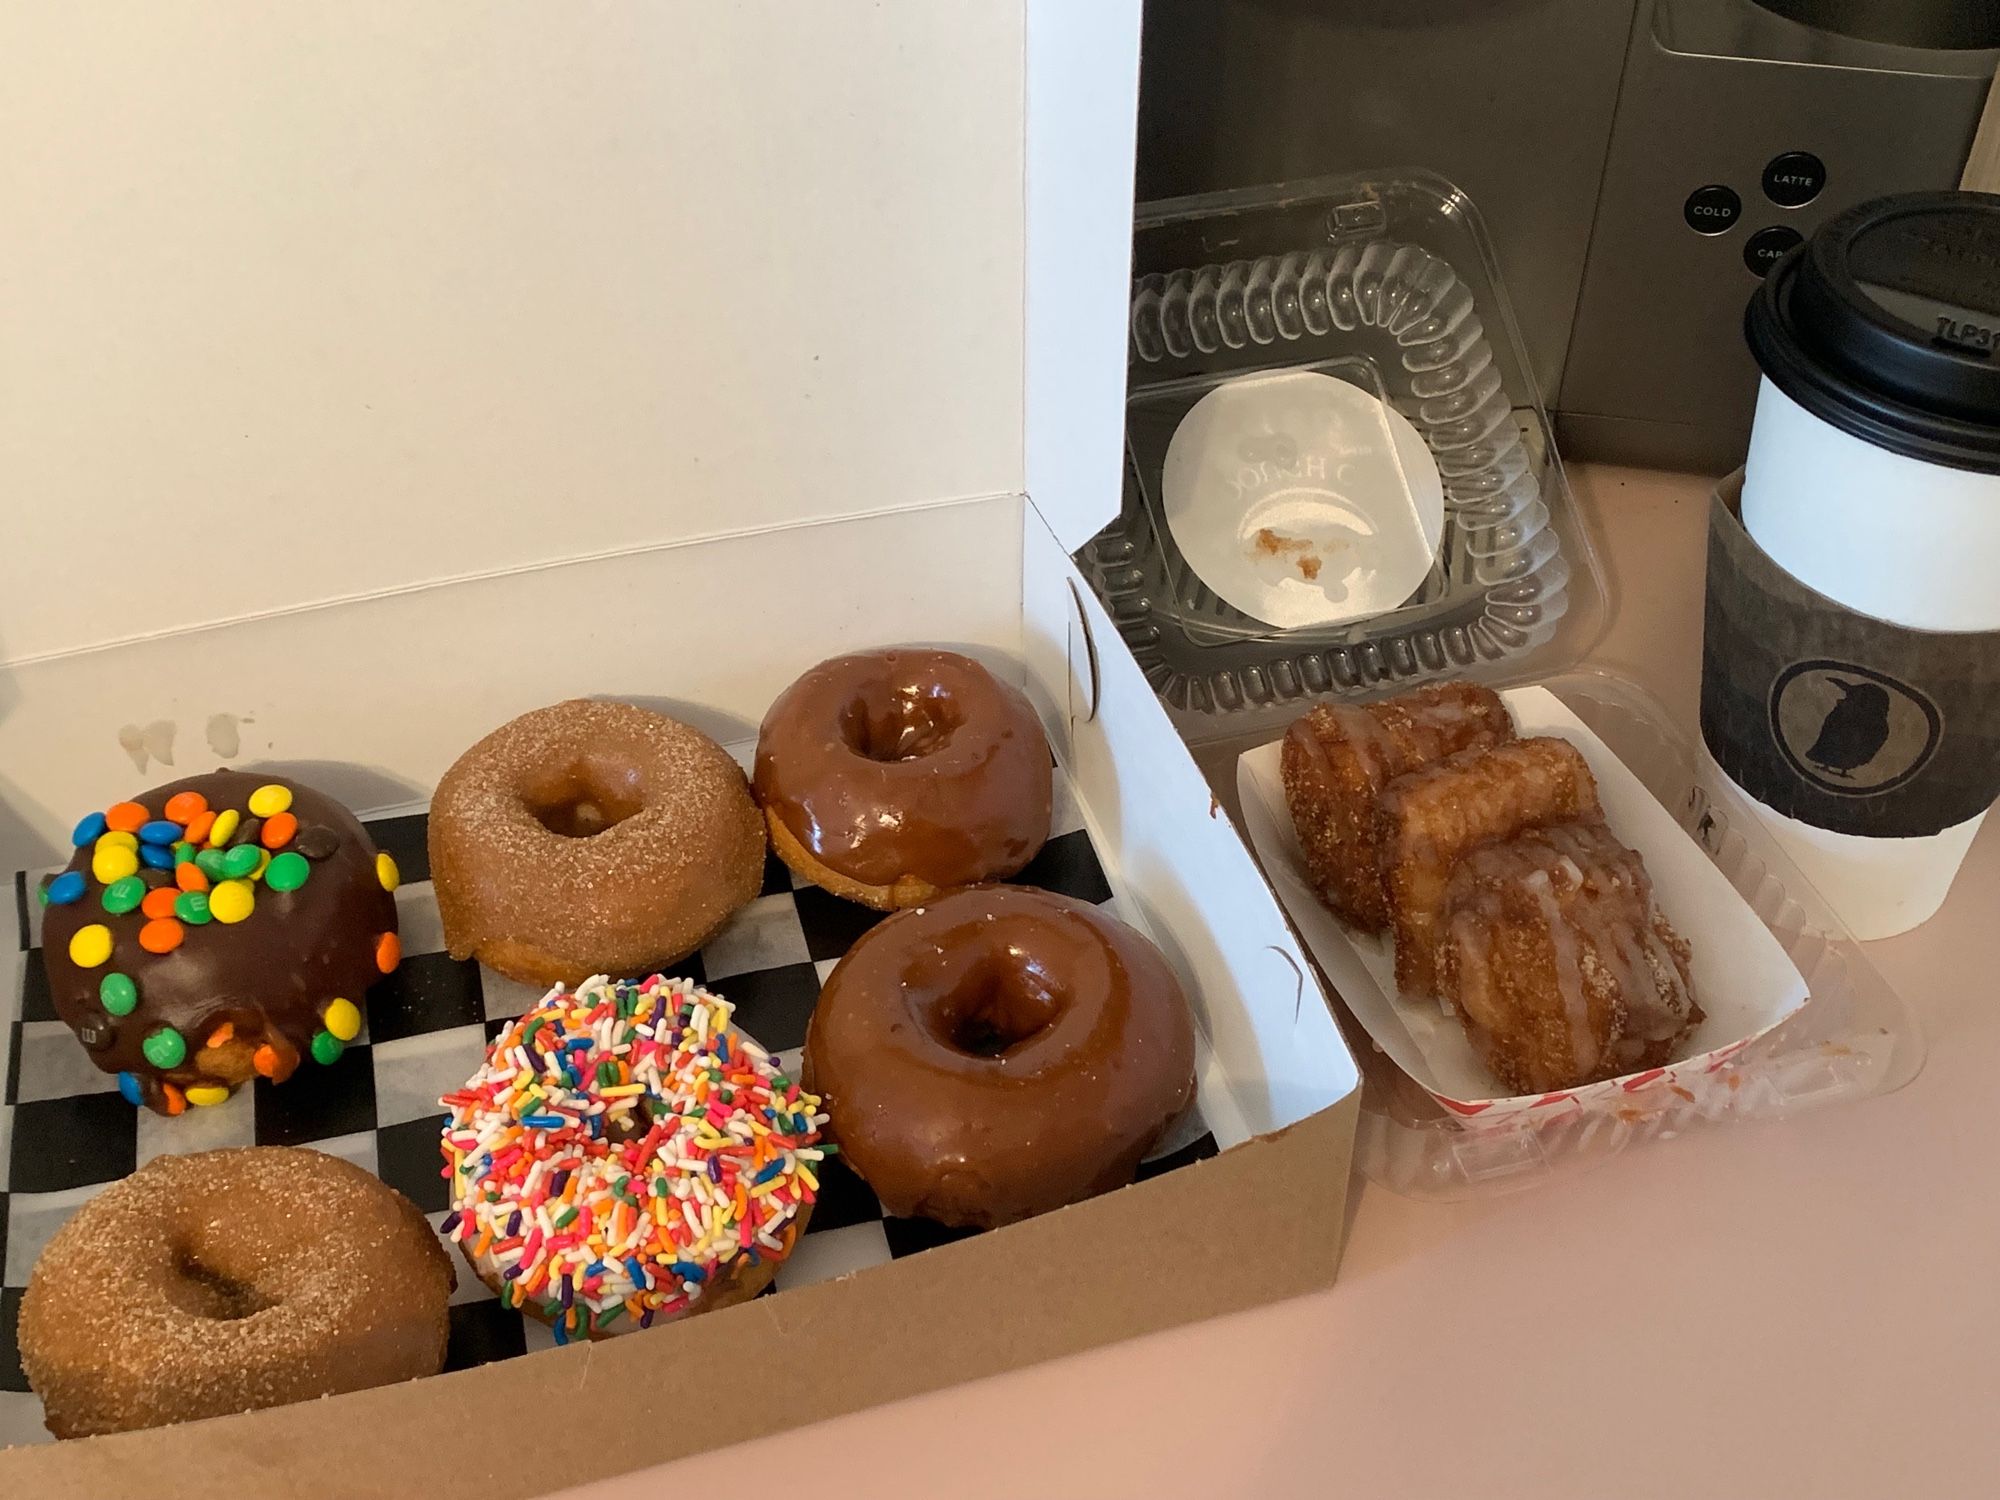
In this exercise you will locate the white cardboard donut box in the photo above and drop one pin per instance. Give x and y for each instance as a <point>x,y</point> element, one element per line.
<point>387,370</point>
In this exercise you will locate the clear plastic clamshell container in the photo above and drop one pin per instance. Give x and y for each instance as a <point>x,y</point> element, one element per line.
<point>1853,1038</point>
<point>1386,282</point>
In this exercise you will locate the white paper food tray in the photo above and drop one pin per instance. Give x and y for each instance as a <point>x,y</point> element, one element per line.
<point>1742,976</point>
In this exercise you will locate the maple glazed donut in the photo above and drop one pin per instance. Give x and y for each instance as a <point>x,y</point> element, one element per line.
<point>227,1281</point>
<point>892,776</point>
<point>221,928</point>
<point>591,838</point>
<point>999,1053</point>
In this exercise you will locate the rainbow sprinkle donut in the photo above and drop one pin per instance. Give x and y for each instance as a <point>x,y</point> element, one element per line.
<point>626,1155</point>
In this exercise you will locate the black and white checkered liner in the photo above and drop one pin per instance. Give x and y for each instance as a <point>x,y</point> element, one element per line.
<point>65,1132</point>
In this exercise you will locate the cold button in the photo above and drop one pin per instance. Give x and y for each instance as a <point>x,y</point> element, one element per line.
<point>1712,209</point>
<point>1767,247</point>
<point>1794,179</point>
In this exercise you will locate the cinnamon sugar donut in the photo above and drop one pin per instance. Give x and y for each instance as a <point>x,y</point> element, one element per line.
<point>591,838</point>
<point>227,1281</point>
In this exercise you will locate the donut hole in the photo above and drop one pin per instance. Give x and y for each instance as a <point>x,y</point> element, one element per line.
<point>995,1010</point>
<point>628,1125</point>
<point>203,1291</point>
<point>583,799</point>
<point>899,726</point>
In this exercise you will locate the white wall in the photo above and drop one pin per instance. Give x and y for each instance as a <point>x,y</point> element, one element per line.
<point>310,300</point>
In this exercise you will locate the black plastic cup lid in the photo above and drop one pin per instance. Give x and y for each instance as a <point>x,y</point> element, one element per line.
<point>1886,324</point>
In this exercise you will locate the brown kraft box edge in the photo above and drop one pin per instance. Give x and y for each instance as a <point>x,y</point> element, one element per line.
<point>1132,1262</point>
<point>1835,718</point>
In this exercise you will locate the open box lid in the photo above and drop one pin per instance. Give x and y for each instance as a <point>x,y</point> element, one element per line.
<point>329,302</point>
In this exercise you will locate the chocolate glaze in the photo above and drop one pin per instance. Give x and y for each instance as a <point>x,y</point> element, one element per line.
<point>907,762</point>
<point>999,1053</point>
<point>269,975</point>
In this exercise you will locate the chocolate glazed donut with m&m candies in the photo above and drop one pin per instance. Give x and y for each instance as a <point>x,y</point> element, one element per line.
<point>892,776</point>
<point>221,928</point>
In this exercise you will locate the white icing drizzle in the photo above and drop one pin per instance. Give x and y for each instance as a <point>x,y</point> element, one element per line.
<point>1619,985</point>
<point>1583,1048</point>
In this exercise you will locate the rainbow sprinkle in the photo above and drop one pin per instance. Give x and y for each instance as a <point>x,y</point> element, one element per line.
<point>621,1145</point>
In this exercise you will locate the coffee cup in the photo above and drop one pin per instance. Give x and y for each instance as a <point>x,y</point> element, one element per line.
<point>1851,666</point>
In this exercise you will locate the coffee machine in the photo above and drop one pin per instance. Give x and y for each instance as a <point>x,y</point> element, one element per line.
<point>1640,164</point>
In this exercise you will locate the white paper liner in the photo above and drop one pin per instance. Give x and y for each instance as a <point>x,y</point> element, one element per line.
<point>1303,500</point>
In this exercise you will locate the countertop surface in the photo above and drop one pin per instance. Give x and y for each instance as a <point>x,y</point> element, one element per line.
<point>1809,1308</point>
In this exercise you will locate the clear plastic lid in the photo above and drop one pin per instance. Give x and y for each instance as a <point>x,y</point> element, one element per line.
<point>1385,282</point>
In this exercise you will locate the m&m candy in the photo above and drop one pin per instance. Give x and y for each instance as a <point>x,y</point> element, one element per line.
<point>65,888</point>
<point>90,946</point>
<point>343,1019</point>
<point>231,901</point>
<point>270,800</point>
<point>123,894</point>
<point>165,1048</point>
<point>185,807</point>
<point>88,829</point>
<point>318,842</point>
<point>118,994</point>
<point>112,862</point>
<point>126,817</point>
<point>287,871</point>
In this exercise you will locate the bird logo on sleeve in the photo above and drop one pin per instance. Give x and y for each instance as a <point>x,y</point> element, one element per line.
<point>1852,730</point>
